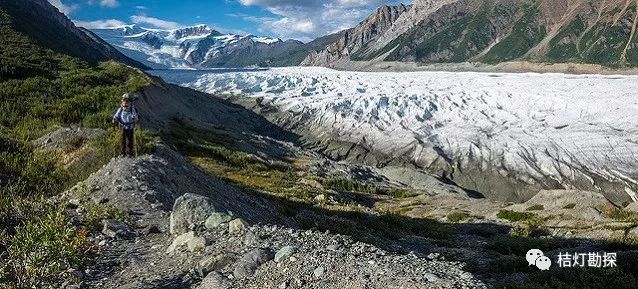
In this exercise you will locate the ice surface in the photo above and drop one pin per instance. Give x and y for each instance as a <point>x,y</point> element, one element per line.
<point>537,125</point>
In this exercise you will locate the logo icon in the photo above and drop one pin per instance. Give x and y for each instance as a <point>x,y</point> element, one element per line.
<point>537,258</point>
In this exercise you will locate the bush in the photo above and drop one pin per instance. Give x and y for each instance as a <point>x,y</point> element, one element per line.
<point>40,89</point>
<point>458,216</point>
<point>536,207</point>
<point>42,251</point>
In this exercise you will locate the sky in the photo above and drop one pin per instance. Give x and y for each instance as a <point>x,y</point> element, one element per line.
<point>298,19</point>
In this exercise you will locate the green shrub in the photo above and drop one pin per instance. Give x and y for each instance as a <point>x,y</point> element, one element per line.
<point>458,216</point>
<point>536,207</point>
<point>42,251</point>
<point>41,89</point>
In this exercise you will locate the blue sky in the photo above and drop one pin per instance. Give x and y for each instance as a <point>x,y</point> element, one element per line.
<point>299,19</point>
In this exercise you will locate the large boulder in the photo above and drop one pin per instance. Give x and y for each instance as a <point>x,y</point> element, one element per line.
<point>632,207</point>
<point>188,239</point>
<point>214,280</point>
<point>215,263</point>
<point>248,263</point>
<point>190,211</point>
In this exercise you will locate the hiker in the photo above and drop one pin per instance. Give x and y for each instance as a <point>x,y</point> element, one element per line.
<point>125,119</point>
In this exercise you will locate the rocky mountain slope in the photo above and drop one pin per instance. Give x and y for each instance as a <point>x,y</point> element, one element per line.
<point>49,27</point>
<point>356,38</point>
<point>202,47</point>
<point>599,32</point>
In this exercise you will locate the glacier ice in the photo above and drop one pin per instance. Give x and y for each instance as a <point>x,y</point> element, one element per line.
<point>506,135</point>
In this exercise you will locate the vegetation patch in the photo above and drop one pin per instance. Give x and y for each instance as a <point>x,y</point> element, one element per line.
<point>42,90</point>
<point>536,207</point>
<point>514,216</point>
<point>458,216</point>
<point>526,34</point>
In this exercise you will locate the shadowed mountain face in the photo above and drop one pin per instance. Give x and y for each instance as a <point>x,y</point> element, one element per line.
<point>449,31</point>
<point>43,23</point>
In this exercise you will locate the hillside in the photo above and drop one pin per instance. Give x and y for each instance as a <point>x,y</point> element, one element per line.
<point>50,28</point>
<point>579,31</point>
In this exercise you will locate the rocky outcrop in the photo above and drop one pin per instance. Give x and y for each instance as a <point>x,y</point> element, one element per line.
<point>358,37</point>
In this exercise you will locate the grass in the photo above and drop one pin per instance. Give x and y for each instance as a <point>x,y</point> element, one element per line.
<point>458,216</point>
<point>536,207</point>
<point>621,215</point>
<point>41,90</point>
<point>564,46</point>
<point>344,185</point>
<point>514,216</point>
<point>238,167</point>
<point>525,34</point>
<point>44,251</point>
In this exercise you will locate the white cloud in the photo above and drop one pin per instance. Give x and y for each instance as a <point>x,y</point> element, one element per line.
<point>99,24</point>
<point>66,9</point>
<point>155,22</point>
<point>311,18</point>
<point>109,3</point>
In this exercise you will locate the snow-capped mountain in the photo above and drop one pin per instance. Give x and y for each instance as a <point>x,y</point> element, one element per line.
<point>197,47</point>
<point>506,136</point>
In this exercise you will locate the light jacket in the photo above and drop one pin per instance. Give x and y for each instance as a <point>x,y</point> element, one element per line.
<point>126,118</point>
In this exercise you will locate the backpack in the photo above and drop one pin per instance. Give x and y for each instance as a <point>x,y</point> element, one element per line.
<point>119,115</point>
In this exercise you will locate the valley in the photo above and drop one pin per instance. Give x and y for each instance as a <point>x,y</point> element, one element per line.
<point>504,135</point>
<point>418,149</point>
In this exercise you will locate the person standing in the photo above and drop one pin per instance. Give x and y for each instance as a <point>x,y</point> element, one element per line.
<point>125,119</point>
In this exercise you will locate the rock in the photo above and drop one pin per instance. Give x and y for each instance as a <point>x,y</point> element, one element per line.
<point>116,229</point>
<point>318,272</point>
<point>152,229</point>
<point>214,263</point>
<point>283,285</point>
<point>100,200</point>
<point>284,253</point>
<point>431,277</point>
<point>217,219</point>
<point>74,203</point>
<point>196,244</point>
<point>180,241</point>
<point>632,207</point>
<point>333,247</point>
<point>237,225</point>
<point>189,212</point>
<point>248,263</point>
<point>214,280</point>
<point>251,239</point>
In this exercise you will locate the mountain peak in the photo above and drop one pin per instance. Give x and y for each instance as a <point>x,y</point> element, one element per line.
<point>193,31</point>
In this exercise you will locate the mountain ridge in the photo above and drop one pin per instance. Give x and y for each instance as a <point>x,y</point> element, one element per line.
<point>55,31</point>
<point>201,47</point>
<point>496,31</point>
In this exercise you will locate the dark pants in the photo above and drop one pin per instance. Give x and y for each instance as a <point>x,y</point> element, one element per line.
<point>127,143</point>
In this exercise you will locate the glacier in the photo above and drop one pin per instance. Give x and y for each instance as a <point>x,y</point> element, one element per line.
<point>504,135</point>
